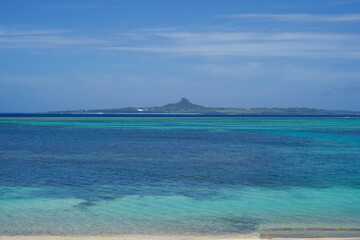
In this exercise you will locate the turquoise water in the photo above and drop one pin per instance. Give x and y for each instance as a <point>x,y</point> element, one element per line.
<point>275,176</point>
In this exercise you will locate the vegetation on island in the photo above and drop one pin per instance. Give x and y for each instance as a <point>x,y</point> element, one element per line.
<point>184,106</point>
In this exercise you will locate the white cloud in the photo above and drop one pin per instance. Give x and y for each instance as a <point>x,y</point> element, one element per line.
<point>252,49</point>
<point>195,43</point>
<point>297,17</point>
<point>252,36</point>
<point>15,37</point>
<point>247,44</point>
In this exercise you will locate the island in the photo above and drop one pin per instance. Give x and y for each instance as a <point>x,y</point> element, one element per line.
<point>184,106</point>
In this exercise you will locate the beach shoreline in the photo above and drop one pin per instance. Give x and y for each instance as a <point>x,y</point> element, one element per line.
<point>160,237</point>
<point>130,237</point>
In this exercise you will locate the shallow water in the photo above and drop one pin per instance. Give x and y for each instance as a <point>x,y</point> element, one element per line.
<point>180,175</point>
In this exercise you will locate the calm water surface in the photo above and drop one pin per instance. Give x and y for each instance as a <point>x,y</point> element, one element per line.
<point>276,176</point>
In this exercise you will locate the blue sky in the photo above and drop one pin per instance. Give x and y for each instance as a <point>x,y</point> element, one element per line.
<point>61,55</point>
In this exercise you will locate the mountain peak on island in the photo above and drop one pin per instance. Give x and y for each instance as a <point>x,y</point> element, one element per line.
<point>184,105</point>
<point>184,100</point>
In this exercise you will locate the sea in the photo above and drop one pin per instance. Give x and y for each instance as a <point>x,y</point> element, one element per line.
<point>199,175</point>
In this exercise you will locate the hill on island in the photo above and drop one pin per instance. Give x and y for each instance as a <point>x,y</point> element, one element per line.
<point>184,106</point>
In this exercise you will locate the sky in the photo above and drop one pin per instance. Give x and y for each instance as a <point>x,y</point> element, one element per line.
<point>73,54</point>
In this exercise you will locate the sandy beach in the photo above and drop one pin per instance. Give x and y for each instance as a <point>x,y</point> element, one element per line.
<point>162,237</point>
<point>146,237</point>
<point>131,237</point>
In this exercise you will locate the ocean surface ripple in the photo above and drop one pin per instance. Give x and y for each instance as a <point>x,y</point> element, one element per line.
<point>276,176</point>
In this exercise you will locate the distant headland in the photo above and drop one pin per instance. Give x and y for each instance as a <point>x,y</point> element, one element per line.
<point>184,106</point>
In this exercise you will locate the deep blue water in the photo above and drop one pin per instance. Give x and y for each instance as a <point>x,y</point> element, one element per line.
<point>213,175</point>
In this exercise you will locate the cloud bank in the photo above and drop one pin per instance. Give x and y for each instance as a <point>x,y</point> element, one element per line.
<point>297,17</point>
<point>193,43</point>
